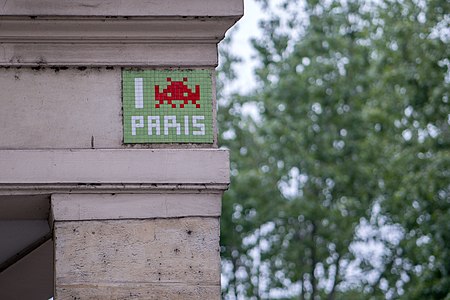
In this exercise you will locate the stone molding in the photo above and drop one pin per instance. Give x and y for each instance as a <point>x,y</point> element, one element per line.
<point>113,171</point>
<point>138,33</point>
<point>116,8</point>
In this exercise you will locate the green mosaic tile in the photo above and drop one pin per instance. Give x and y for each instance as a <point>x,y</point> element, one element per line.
<point>167,106</point>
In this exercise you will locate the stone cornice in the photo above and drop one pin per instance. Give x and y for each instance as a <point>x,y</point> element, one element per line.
<point>87,35</point>
<point>113,171</point>
<point>110,188</point>
<point>117,8</point>
<point>114,30</point>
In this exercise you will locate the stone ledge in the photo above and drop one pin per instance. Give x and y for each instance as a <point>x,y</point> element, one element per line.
<point>101,170</point>
<point>104,31</point>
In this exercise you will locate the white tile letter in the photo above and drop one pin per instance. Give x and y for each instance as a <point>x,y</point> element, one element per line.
<point>136,122</point>
<point>186,125</point>
<point>138,93</point>
<point>155,124</point>
<point>171,122</point>
<point>200,126</point>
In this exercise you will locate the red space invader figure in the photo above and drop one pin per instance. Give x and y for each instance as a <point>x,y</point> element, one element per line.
<point>177,91</point>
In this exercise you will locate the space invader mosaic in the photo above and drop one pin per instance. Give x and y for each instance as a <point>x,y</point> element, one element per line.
<point>167,106</point>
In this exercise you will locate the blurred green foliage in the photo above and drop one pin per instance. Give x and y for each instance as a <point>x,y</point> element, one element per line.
<point>341,170</point>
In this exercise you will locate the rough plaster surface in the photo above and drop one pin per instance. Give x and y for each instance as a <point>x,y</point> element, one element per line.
<point>55,108</point>
<point>138,259</point>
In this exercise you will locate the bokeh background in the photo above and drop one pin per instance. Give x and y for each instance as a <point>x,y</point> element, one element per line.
<point>337,116</point>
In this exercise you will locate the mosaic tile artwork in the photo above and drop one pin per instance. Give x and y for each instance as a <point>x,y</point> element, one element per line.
<point>167,106</point>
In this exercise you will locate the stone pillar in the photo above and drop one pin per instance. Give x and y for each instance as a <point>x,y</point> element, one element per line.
<point>131,218</point>
<point>169,253</point>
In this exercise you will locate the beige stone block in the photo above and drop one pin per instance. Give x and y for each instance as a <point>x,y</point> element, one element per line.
<point>138,259</point>
<point>78,207</point>
<point>53,108</point>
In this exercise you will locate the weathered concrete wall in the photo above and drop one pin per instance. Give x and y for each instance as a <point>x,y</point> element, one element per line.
<point>175,258</point>
<point>54,108</point>
<point>62,108</point>
<point>130,222</point>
